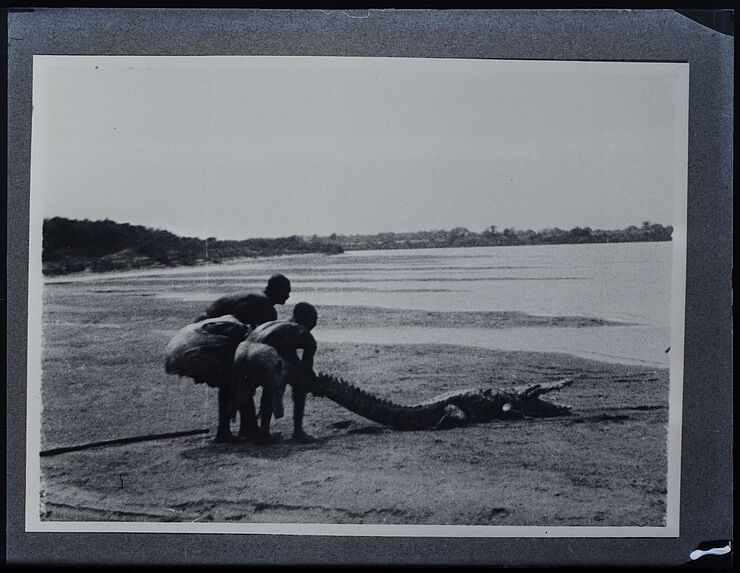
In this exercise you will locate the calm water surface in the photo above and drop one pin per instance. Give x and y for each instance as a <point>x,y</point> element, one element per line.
<point>629,283</point>
<point>625,283</point>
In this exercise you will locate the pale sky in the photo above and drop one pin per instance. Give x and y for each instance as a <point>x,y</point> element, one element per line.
<point>258,146</point>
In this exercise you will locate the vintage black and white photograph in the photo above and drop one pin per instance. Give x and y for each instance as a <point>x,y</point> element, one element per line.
<point>356,295</point>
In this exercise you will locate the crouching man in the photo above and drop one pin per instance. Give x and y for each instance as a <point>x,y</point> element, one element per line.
<point>258,365</point>
<point>254,365</point>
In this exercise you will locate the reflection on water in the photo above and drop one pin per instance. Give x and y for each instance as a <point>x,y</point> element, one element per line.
<point>627,282</point>
<point>624,282</point>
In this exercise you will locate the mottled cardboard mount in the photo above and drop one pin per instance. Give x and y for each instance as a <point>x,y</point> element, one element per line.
<point>600,35</point>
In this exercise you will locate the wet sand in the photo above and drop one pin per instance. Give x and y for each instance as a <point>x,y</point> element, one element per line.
<point>603,465</point>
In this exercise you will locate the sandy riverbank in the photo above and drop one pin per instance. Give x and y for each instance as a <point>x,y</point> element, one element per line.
<point>605,464</point>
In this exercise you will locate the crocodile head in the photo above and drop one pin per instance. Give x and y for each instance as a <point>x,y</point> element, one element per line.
<point>531,403</point>
<point>539,408</point>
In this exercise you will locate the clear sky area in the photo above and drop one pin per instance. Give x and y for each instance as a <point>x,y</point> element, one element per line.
<point>240,147</point>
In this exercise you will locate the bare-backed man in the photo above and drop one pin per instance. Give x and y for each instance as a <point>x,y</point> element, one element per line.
<point>287,337</point>
<point>253,308</point>
<point>205,350</point>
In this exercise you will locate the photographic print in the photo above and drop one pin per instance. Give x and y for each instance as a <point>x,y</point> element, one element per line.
<point>356,295</point>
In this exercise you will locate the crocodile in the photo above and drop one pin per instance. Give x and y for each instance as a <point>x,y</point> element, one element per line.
<point>452,409</point>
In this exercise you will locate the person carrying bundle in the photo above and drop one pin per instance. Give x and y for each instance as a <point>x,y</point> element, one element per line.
<point>204,351</point>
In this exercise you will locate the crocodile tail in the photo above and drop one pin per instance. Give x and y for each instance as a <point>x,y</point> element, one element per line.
<point>369,406</point>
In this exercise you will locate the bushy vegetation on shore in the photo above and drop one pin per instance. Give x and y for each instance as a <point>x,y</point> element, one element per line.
<point>71,245</point>
<point>492,237</point>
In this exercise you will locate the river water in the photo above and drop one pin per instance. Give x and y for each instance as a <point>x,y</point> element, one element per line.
<point>625,283</point>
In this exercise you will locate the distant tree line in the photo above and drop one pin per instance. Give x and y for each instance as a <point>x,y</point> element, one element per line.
<point>492,237</point>
<point>71,245</point>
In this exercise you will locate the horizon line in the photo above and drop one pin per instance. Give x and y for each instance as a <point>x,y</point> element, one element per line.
<point>318,235</point>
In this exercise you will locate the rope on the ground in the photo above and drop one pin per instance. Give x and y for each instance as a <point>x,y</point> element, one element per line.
<point>119,441</point>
